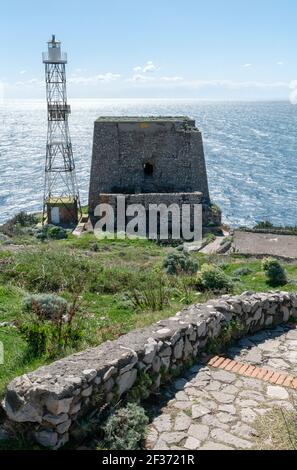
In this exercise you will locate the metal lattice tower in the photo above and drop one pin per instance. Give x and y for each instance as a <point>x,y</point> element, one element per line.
<point>60,188</point>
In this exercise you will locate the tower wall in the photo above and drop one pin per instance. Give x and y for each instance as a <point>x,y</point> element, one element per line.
<point>171,147</point>
<point>149,160</point>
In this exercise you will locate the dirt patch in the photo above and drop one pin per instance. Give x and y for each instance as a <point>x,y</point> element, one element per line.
<point>248,243</point>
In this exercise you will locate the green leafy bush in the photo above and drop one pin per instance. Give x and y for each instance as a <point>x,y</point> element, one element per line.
<point>275,272</point>
<point>125,428</point>
<point>178,263</point>
<point>57,233</point>
<point>212,277</point>
<point>51,232</point>
<point>49,324</point>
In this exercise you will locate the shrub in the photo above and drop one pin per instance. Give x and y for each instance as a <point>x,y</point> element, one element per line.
<point>275,272</point>
<point>57,233</point>
<point>263,225</point>
<point>51,232</point>
<point>46,306</point>
<point>245,271</point>
<point>183,290</point>
<point>213,278</point>
<point>178,263</point>
<point>153,296</point>
<point>125,428</point>
<point>20,221</point>
<point>50,324</point>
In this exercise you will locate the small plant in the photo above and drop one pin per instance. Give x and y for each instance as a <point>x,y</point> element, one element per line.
<point>57,233</point>
<point>215,210</point>
<point>183,290</point>
<point>275,272</point>
<point>46,306</point>
<point>125,428</point>
<point>180,263</point>
<point>213,278</point>
<point>229,332</point>
<point>49,325</point>
<point>245,271</point>
<point>142,388</point>
<point>210,238</point>
<point>94,247</point>
<point>263,225</point>
<point>51,232</point>
<point>154,296</point>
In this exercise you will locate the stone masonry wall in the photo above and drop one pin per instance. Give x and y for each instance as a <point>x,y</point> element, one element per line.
<point>122,146</point>
<point>50,401</point>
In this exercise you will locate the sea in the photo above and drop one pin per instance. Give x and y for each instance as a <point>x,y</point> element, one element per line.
<point>250,150</point>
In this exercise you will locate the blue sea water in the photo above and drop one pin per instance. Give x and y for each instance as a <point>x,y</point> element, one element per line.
<point>250,150</point>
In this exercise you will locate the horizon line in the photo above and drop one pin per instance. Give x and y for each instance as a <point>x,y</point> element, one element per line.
<point>223,100</point>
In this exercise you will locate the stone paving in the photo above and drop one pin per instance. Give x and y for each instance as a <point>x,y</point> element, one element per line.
<point>215,409</point>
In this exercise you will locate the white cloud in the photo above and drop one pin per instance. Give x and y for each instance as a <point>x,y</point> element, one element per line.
<point>246,66</point>
<point>22,72</point>
<point>179,83</point>
<point>293,84</point>
<point>149,67</point>
<point>138,77</point>
<point>171,79</point>
<point>280,63</point>
<point>93,79</point>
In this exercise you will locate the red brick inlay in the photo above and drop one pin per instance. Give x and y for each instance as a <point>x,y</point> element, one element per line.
<point>247,370</point>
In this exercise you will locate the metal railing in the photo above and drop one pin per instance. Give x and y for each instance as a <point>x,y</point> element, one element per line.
<point>61,60</point>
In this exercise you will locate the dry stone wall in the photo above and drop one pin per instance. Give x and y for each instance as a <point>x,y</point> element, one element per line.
<point>50,401</point>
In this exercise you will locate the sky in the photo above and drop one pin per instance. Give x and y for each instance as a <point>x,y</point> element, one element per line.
<point>211,50</point>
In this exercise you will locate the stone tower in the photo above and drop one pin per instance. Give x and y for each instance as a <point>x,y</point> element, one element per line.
<point>149,160</point>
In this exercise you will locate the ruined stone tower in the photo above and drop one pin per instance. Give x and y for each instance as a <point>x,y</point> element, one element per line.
<point>149,160</point>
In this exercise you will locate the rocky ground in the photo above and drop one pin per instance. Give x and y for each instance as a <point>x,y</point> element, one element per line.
<point>211,408</point>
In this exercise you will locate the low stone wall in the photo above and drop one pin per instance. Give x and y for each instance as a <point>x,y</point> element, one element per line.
<point>51,400</point>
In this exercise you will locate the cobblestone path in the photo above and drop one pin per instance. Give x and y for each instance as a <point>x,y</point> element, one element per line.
<point>212,408</point>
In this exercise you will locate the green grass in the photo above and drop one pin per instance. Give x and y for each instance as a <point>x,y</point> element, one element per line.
<point>256,281</point>
<point>17,360</point>
<point>105,277</point>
